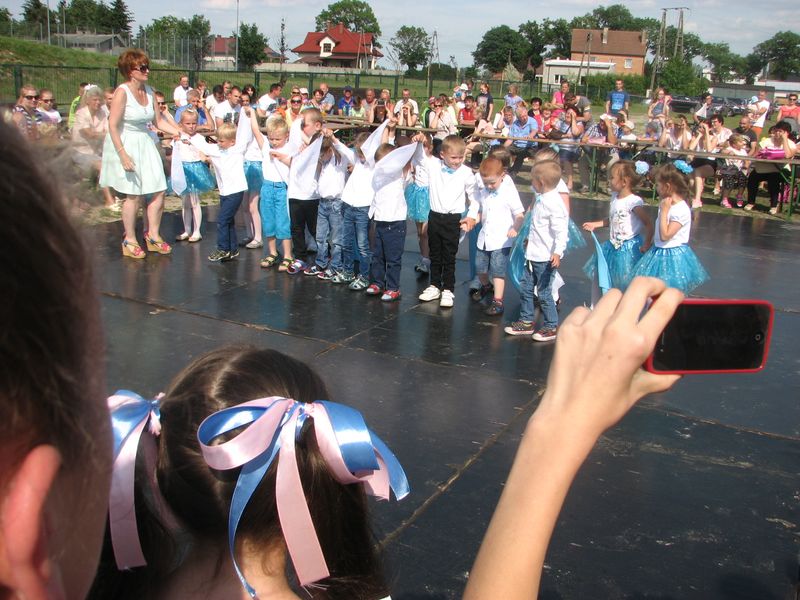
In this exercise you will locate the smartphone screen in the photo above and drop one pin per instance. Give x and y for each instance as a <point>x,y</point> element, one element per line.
<point>714,336</point>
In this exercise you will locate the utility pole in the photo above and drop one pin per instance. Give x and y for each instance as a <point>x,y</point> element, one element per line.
<point>433,52</point>
<point>587,53</point>
<point>679,37</point>
<point>662,41</point>
<point>48,22</point>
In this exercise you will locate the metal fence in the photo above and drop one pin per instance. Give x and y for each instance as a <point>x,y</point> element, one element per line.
<point>64,81</point>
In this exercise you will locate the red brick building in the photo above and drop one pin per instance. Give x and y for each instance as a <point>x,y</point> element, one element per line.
<point>626,49</point>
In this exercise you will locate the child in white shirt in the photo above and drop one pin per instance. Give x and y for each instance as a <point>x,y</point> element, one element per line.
<point>227,157</point>
<point>356,201</point>
<point>388,212</point>
<point>333,167</point>
<point>450,182</point>
<point>501,214</point>
<point>547,241</point>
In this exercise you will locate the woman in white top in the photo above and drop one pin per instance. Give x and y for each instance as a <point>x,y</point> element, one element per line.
<point>88,132</point>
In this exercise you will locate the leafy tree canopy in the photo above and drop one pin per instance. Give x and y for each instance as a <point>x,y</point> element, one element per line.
<point>251,46</point>
<point>356,15</point>
<point>411,46</point>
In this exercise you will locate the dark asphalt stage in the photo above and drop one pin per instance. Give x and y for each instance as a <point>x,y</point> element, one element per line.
<point>694,495</point>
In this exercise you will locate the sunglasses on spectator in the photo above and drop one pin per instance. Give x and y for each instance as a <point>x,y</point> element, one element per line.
<point>142,68</point>
<point>46,99</point>
<point>161,103</point>
<point>31,97</point>
<point>296,101</point>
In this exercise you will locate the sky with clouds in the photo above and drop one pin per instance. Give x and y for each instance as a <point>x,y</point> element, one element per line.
<point>461,24</point>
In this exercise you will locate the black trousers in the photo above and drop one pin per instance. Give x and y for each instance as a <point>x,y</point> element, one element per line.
<point>773,186</point>
<point>303,213</point>
<point>443,232</point>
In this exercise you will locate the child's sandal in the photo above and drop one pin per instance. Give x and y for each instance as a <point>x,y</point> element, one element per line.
<point>285,264</point>
<point>269,261</point>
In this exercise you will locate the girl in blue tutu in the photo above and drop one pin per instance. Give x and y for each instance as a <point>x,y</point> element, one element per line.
<point>671,259</point>
<point>630,227</point>
<point>419,206</point>
<point>198,178</point>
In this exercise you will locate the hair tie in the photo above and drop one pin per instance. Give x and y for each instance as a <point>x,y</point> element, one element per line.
<point>642,168</point>
<point>683,167</point>
<point>130,413</point>
<point>353,453</point>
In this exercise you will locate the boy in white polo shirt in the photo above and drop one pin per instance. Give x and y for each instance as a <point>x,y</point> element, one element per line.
<point>501,216</point>
<point>547,241</point>
<point>450,182</point>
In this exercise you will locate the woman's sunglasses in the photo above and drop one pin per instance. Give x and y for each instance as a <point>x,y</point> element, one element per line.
<point>142,68</point>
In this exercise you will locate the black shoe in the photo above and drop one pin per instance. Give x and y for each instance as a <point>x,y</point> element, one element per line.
<point>479,294</point>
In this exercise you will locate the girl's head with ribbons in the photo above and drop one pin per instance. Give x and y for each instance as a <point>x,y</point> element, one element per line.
<point>256,471</point>
<point>54,433</point>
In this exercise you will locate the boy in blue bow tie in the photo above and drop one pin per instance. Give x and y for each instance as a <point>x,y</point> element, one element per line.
<point>451,182</point>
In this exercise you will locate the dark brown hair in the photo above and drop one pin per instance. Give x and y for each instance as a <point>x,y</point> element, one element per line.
<point>51,367</point>
<point>200,497</point>
<point>627,170</point>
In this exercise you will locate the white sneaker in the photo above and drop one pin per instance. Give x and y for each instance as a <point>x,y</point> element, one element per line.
<point>447,299</point>
<point>430,293</point>
<point>195,238</point>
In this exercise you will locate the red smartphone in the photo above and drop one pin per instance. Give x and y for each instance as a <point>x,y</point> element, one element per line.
<point>714,336</point>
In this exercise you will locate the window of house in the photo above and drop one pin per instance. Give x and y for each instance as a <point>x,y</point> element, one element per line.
<point>628,63</point>
<point>593,58</point>
<point>327,48</point>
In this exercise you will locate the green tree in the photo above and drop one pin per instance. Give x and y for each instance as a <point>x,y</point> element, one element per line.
<point>616,16</point>
<point>499,46</point>
<point>682,77</point>
<point>82,15</point>
<point>558,35</point>
<point>251,46</point>
<point>781,53</point>
<point>356,15</point>
<point>725,63</point>
<point>34,11</point>
<point>197,30</point>
<point>750,66</point>
<point>119,17</point>
<point>5,15</point>
<point>411,45</point>
<point>536,38</point>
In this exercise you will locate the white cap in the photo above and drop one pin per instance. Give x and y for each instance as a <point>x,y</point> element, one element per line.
<point>629,124</point>
<point>463,86</point>
<point>304,90</point>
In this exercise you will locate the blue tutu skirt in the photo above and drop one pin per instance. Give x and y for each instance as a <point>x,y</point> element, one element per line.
<point>254,175</point>
<point>621,262</point>
<point>575,239</point>
<point>418,202</point>
<point>678,267</point>
<point>199,178</point>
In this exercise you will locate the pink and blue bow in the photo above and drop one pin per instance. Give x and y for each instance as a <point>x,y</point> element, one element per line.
<point>353,453</point>
<point>130,414</point>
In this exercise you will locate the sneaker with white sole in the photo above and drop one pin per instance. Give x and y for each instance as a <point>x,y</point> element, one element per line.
<point>545,334</point>
<point>373,290</point>
<point>520,328</point>
<point>219,255</point>
<point>359,283</point>
<point>343,277</point>
<point>326,275</point>
<point>430,293</point>
<point>313,271</point>
<point>391,296</point>
<point>446,301</point>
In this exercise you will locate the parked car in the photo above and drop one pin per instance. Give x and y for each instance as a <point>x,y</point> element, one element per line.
<point>736,106</point>
<point>683,104</point>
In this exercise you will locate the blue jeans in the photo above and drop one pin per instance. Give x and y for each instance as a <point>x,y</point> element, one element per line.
<point>329,223</point>
<point>226,227</point>
<point>387,255</point>
<point>355,230</point>
<point>538,275</point>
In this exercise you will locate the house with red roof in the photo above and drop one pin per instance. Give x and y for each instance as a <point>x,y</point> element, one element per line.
<point>338,47</point>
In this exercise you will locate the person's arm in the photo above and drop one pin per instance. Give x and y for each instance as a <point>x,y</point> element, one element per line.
<point>489,111</point>
<point>592,225</point>
<point>257,135</point>
<point>662,139</point>
<point>608,104</point>
<point>640,212</point>
<point>789,148</point>
<point>594,380</point>
<point>627,103</point>
<point>611,129</point>
<point>666,228</point>
<point>115,117</point>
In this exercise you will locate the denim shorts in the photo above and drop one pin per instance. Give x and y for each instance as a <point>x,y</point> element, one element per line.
<point>493,262</point>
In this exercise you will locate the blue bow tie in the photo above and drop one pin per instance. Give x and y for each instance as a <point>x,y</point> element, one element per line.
<point>448,170</point>
<point>493,193</point>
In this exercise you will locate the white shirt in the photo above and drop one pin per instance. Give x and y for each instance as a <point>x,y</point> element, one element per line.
<point>680,213</point>
<point>211,102</point>
<point>498,208</point>
<point>761,104</point>
<point>179,95</point>
<point>548,233</point>
<point>333,175</point>
<point>622,221</point>
<point>303,172</point>
<point>448,191</point>
<point>271,168</point>
<point>358,190</point>
<point>225,111</point>
<point>228,163</point>
<point>267,103</point>
<point>411,102</point>
<point>389,203</point>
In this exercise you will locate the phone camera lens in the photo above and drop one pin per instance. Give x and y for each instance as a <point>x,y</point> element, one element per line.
<point>759,336</point>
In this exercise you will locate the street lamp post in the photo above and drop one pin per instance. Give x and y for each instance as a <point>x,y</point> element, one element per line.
<point>48,22</point>
<point>237,36</point>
